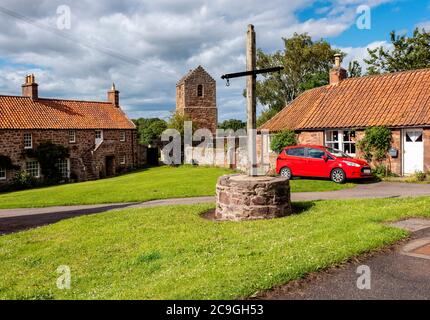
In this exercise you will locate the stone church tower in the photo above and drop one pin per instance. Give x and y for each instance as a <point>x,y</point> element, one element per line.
<point>196,98</point>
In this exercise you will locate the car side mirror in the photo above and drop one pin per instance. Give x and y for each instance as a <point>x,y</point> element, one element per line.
<point>325,158</point>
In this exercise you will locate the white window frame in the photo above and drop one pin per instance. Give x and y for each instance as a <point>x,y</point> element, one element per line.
<point>99,140</point>
<point>122,136</point>
<point>122,159</point>
<point>72,136</point>
<point>28,137</point>
<point>341,142</point>
<point>67,168</point>
<point>3,174</point>
<point>27,169</point>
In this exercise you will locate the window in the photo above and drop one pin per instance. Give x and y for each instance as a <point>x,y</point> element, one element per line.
<point>200,90</point>
<point>342,140</point>
<point>296,152</point>
<point>414,136</point>
<point>122,136</point>
<point>2,174</point>
<point>72,136</point>
<point>316,153</point>
<point>122,159</point>
<point>63,167</point>
<point>33,169</point>
<point>99,137</point>
<point>28,141</point>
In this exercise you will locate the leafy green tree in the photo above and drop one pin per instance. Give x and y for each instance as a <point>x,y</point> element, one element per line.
<point>306,65</point>
<point>354,69</point>
<point>283,139</point>
<point>232,124</point>
<point>408,53</point>
<point>177,121</point>
<point>150,130</point>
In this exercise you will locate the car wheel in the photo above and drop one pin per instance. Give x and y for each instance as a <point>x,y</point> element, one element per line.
<point>338,175</point>
<point>286,173</point>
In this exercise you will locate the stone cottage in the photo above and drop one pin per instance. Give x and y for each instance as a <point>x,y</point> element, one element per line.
<point>337,114</point>
<point>100,138</point>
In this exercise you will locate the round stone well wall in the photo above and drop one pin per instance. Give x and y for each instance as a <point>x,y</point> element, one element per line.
<point>241,197</point>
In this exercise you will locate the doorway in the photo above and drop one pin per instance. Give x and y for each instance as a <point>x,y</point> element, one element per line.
<point>110,166</point>
<point>413,151</point>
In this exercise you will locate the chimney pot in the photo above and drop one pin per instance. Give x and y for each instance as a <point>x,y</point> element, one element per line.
<point>30,87</point>
<point>113,96</point>
<point>337,74</point>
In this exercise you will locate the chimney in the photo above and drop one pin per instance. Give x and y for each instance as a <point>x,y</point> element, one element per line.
<point>30,87</point>
<point>337,74</point>
<point>113,96</point>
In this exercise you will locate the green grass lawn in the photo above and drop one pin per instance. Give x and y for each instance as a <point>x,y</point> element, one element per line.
<point>172,253</point>
<point>149,184</point>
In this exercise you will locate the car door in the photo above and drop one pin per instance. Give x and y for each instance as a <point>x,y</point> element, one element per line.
<point>296,160</point>
<point>317,166</point>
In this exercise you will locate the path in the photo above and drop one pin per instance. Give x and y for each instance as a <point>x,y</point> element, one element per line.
<point>19,219</point>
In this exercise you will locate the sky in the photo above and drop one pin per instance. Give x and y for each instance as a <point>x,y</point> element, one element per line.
<point>76,49</point>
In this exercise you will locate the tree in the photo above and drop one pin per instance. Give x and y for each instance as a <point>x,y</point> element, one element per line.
<point>177,121</point>
<point>354,69</point>
<point>283,139</point>
<point>150,130</point>
<point>232,124</point>
<point>306,65</point>
<point>408,53</point>
<point>376,143</point>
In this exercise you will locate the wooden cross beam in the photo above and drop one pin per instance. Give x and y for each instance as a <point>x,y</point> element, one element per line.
<point>251,98</point>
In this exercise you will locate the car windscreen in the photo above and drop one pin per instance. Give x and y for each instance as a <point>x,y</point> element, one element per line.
<point>338,153</point>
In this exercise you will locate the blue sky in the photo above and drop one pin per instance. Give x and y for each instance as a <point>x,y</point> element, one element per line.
<point>146,46</point>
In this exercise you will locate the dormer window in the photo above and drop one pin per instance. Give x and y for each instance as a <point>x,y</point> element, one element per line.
<point>200,90</point>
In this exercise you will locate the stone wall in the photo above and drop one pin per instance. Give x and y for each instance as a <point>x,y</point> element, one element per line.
<point>241,197</point>
<point>201,109</point>
<point>86,162</point>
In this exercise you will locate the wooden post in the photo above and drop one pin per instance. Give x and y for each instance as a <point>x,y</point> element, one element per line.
<point>251,100</point>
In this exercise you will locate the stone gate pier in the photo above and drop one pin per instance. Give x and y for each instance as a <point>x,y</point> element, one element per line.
<point>241,197</point>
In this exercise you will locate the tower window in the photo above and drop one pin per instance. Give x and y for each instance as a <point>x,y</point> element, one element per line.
<point>200,90</point>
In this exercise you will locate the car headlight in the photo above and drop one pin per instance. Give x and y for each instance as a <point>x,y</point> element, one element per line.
<point>352,164</point>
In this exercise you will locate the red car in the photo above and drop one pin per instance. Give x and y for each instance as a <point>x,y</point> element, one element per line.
<point>319,161</point>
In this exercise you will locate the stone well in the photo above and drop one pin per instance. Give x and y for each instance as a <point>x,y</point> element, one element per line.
<point>240,197</point>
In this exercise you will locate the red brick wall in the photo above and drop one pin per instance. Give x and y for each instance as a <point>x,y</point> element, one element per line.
<point>311,137</point>
<point>12,145</point>
<point>426,137</point>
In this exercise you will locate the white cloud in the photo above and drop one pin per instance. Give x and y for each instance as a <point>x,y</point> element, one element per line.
<point>146,46</point>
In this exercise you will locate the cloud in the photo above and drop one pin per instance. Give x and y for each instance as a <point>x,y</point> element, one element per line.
<point>146,46</point>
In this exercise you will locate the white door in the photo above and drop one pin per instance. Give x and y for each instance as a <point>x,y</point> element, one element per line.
<point>413,151</point>
<point>99,137</point>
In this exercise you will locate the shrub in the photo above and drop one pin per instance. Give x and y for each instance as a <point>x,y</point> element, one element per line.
<point>23,181</point>
<point>382,171</point>
<point>48,154</point>
<point>375,144</point>
<point>283,139</point>
<point>420,176</point>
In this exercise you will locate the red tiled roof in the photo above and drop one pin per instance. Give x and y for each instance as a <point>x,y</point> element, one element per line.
<point>24,113</point>
<point>399,99</point>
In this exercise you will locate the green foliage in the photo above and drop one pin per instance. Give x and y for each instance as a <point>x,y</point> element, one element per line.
<point>408,53</point>
<point>283,139</point>
<point>306,65</point>
<point>177,120</point>
<point>232,124</point>
<point>420,176</point>
<point>6,163</point>
<point>376,143</point>
<point>382,171</point>
<point>150,130</point>
<point>22,181</point>
<point>354,69</point>
<point>48,154</point>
